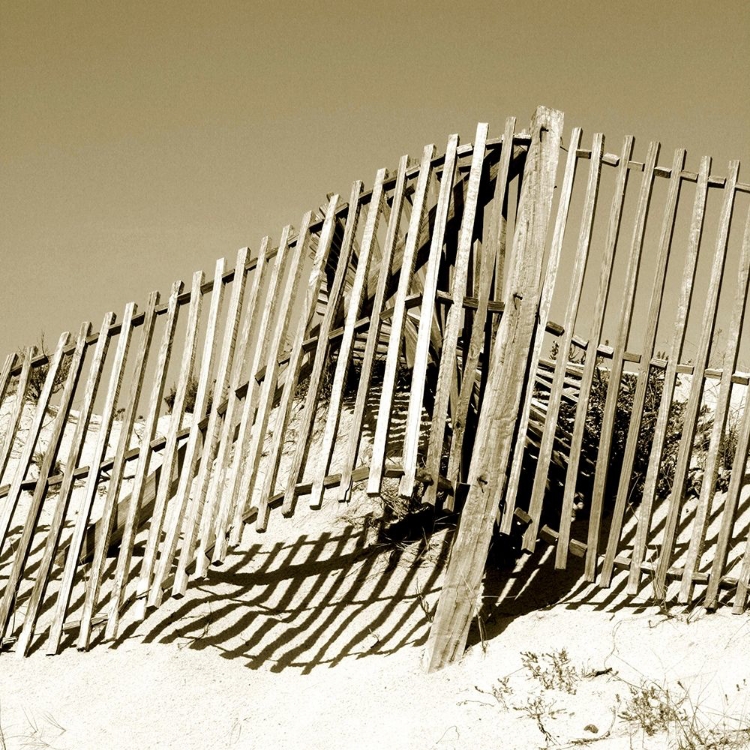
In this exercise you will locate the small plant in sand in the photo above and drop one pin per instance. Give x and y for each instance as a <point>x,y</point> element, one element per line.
<point>553,670</point>
<point>539,709</point>
<point>653,708</point>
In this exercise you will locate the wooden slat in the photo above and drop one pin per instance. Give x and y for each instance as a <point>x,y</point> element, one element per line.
<point>613,386</point>
<point>98,562</point>
<point>548,289</point>
<point>721,412</point>
<point>373,334</point>
<point>571,313</point>
<point>670,378</point>
<point>22,545</point>
<point>170,450</point>
<point>447,370</point>
<point>199,519</point>
<point>488,261</point>
<point>65,491</point>
<point>247,467</point>
<point>295,364</point>
<point>426,316</point>
<point>345,350</point>
<point>462,584</point>
<point>35,428</point>
<point>203,392</point>
<point>305,422</point>
<point>132,512</point>
<point>108,412</point>
<point>397,323</point>
<point>267,348</point>
<point>257,303</point>
<point>589,368</point>
<point>692,408</point>
<point>644,367</point>
<point>5,375</point>
<point>15,416</point>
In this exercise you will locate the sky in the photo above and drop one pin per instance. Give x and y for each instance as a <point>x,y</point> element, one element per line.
<point>139,141</point>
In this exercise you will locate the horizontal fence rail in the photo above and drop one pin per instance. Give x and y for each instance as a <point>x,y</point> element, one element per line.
<point>540,337</point>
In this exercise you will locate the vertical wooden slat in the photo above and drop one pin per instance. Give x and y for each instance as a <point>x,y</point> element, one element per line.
<point>426,318</point>
<point>5,375</point>
<point>118,469</point>
<point>66,488</point>
<point>144,455</point>
<point>202,395</point>
<point>22,546</point>
<point>170,448</point>
<point>74,548</point>
<point>692,408</point>
<point>373,334</point>
<point>15,416</point>
<point>397,323</point>
<point>347,341</point>
<point>644,367</point>
<point>247,462</point>
<point>216,491</point>
<point>621,340</point>
<point>731,501</point>
<point>488,260</point>
<point>548,289</point>
<point>708,486</point>
<point>258,402</point>
<point>447,369</point>
<point>589,368</point>
<point>497,421</point>
<point>571,313</point>
<point>35,429</point>
<point>199,519</point>
<point>670,377</point>
<point>295,362</point>
<point>305,422</point>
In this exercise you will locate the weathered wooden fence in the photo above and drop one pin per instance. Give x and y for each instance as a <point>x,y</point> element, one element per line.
<point>493,278</point>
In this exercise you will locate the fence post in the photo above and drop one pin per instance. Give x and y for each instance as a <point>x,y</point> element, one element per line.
<point>507,373</point>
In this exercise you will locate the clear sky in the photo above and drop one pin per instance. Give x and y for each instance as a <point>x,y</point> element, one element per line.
<point>139,141</point>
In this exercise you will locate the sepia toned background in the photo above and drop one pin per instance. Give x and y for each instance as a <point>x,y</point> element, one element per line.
<point>140,141</point>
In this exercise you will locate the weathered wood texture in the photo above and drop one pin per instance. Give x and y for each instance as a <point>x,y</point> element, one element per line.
<point>572,389</point>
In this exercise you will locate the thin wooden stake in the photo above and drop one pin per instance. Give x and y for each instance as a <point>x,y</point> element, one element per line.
<point>115,482</point>
<point>170,449</point>
<point>200,516</point>
<point>345,349</point>
<point>305,422</point>
<point>489,255</point>
<point>398,319</point>
<point>708,486</point>
<point>644,367</point>
<point>447,370</point>
<point>66,488</point>
<point>589,368</point>
<point>373,334</point>
<point>23,544</point>
<point>670,378</point>
<point>692,409</point>
<point>258,402</point>
<point>295,363</point>
<point>79,531</point>
<point>613,386</point>
<point>571,313</point>
<point>35,428</point>
<point>202,394</point>
<point>144,455</point>
<point>426,317</point>
<point>15,417</point>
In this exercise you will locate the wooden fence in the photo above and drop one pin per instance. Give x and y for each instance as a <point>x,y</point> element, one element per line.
<point>510,282</point>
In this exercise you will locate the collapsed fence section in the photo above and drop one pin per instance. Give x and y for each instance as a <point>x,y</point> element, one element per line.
<point>469,327</point>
